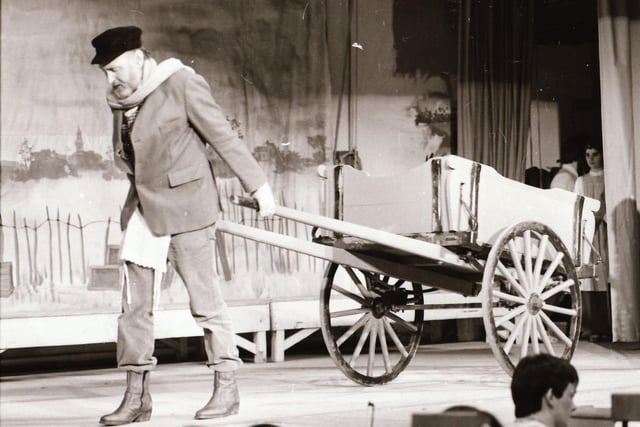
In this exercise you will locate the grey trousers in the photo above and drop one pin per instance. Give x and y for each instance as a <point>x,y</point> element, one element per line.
<point>191,255</point>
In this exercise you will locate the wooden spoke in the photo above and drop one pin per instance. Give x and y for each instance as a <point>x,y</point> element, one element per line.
<point>512,281</point>
<point>542,248</point>
<point>557,289</point>
<point>373,334</point>
<point>356,281</point>
<point>349,312</point>
<point>550,270</point>
<point>363,338</point>
<point>528,267</point>
<point>513,313</point>
<point>349,294</point>
<point>509,297</point>
<point>401,348</point>
<point>526,332</point>
<point>545,336</point>
<point>514,334</point>
<point>401,321</point>
<point>560,310</point>
<point>384,348</point>
<point>535,345</point>
<point>555,329</point>
<point>398,283</point>
<point>516,263</point>
<point>352,329</point>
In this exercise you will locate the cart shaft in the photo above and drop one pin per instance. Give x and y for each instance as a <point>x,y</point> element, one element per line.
<point>431,251</point>
<point>356,260</point>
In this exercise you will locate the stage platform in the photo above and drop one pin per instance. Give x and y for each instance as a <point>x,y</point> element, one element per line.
<point>308,390</point>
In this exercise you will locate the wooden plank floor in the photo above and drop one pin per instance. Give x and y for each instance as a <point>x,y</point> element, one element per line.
<point>308,390</point>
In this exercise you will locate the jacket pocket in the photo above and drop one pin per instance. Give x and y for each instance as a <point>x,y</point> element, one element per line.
<point>182,176</point>
<point>171,126</point>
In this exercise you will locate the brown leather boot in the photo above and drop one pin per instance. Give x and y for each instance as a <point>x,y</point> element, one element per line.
<point>225,399</point>
<point>136,404</point>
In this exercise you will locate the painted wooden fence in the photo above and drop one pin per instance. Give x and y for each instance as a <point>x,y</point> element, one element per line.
<point>64,250</point>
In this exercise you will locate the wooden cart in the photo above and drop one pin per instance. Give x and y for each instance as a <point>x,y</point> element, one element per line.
<point>450,224</point>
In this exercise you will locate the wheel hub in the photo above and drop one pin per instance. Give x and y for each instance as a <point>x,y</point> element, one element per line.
<point>535,303</point>
<point>378,308</point>
<point>387,300</point>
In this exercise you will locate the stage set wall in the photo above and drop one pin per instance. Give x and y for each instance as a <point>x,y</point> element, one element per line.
<point>277,68</point>
<point>302,82</point>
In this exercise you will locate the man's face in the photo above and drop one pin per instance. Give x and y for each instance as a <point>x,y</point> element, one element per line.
<point>563,406</point>
<point>124,73</point>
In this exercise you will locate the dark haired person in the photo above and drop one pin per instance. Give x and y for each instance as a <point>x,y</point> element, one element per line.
<point>163,116</point>
<point>596,323</point>
<point>542,389</point>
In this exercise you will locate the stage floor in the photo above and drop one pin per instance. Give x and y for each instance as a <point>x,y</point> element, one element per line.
<point>308,390</point>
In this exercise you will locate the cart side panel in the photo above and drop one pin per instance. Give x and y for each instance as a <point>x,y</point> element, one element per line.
<point>478,194</point>
<point>566,213</point>
<point>400,204</point>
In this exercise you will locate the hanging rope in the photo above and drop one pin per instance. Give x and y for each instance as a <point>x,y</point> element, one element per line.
<point>348,85</point>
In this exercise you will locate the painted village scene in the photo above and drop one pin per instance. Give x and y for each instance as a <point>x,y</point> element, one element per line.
<point>282,92</point>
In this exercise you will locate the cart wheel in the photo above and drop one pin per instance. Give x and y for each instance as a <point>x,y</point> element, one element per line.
<point>530,295</point>
<point>369,323</point>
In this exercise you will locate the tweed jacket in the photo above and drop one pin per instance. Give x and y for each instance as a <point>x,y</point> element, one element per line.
<point>172,181</point>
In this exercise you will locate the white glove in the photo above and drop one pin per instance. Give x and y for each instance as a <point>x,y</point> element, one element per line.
<point>266,201</point>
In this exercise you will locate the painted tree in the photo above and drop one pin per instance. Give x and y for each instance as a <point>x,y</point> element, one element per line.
<point>26,153</point>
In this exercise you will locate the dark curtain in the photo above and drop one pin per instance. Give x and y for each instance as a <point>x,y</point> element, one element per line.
<point>494,88</point>
<point>424,36</point>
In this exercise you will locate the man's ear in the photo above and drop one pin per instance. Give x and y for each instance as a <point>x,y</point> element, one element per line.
<point>549,398</point>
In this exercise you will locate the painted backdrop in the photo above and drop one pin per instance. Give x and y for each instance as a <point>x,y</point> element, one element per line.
<point>269,64</point>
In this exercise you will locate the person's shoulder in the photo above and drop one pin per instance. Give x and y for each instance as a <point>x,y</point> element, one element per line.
<point>185,81</point>
<point>184,75</point>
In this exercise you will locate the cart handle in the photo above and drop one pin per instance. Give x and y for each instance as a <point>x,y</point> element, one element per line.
<point>244,201</point>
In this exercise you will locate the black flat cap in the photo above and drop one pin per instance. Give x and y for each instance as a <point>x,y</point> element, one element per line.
<point>114,42</point>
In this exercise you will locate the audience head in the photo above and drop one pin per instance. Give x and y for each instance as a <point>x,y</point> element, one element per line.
<point>488,419</point>
<point>543,386</point>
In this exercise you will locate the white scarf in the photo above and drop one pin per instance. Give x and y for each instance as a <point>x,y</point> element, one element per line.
<point>153,76</point>
<point>139,244</point>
